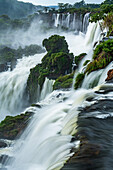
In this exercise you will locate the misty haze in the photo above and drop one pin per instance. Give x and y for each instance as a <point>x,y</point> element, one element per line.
<point>56,85</point>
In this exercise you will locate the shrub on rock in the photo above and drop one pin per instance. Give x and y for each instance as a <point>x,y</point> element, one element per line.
<point>57,62</point>
<point>79,80</point>
<point>63,82</point>
<point>103,55</point>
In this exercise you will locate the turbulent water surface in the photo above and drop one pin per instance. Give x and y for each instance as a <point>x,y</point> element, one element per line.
<point>47,141</point>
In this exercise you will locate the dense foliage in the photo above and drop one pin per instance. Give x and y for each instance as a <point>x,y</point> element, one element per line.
<point>16,9</point>
<point>11,55</point>
<point>63,82</point>
<point>103,55</point>
<point>105,13</point>
<point>78,80</point>
<point>11,126</point>
<point>55,44</point>
<point>57,62</point>
<point>79,58</point>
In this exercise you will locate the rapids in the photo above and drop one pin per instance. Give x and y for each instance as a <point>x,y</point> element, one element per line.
<point>47,141</point>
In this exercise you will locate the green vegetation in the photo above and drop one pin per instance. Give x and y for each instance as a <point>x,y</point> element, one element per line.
<point>103,55</point>
<point>78,7</point>
<point>79,58</point>
<point>6,23</point>
<point>105,12</point>
<point>16,9</point>
<point>55,44</point>
<point>86,62</point>
<point>78,80</point>
<point>11,126</point>
<point>57,62</point>
<point>108,23</point>
<point>63,82</point>
<point>9,55</point>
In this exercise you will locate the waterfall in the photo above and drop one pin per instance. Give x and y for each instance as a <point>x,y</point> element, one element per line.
<point>57,20</point>
<point>46,142</point>
<point>74,19</point>
<point>104,73</point>
<point>63,20</point>
<point>68,20</point>
<point>93,33</point>
<point>47,88</point>
<point>86,22</point>
<point>92,79</point>
<point>13,84</point>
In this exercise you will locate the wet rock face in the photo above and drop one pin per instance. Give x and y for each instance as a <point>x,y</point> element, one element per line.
<point>54,65</point>
<point>109,75</point>
<point>3,67</point>
<point>11,126</point>
<point>95,132</point>
<point>3,144</point>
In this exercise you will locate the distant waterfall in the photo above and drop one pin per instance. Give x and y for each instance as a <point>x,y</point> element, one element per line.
<point>73,22</point>
<point>13,84</point>
<point>93,33</point>
<point>85,22</point>
<point>57,21</point>
<point>68,20</point>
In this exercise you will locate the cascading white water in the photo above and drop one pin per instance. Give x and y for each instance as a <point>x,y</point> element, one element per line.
<point>86,22</point>
<point>72,21</point>
<point>93,33</point>
<point>73,24</point>
<point>13,84</point>
<point>104,73</point>
<point>92,79</point>
<point>63,20</point>
<point>46,143</point>
<point>47,88</point>
<point>68,20</point>
<point>57,20</point>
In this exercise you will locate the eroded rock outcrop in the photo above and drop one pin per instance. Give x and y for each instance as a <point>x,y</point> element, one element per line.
<point>57,62</point>
<point>109,75</point>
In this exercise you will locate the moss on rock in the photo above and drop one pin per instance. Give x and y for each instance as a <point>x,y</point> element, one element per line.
<point>78,80</point>
<point>79,58</point>
<point>86,62</point>
<point>63,82</point>
<point>55,44</point>
<point>103,55</point>
<point>11,126</point>
<point>57,62</point>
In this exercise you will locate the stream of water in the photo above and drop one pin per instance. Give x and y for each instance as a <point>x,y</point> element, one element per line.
<point>47,141</point>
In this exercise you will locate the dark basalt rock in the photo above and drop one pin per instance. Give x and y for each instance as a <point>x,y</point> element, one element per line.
<point>3,144</point>
<point>109,75</point>
<point>4,158</point>
<point>95,134</point>
<point>36,105</point>
<point>3,67</point>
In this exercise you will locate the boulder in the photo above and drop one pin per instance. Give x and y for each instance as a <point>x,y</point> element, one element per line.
<point>11,127</point>
<point>3,67</point>
<point>3,144</point>
<point>109,75</point>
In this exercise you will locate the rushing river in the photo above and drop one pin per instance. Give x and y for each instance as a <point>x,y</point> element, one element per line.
<point>47,141</point>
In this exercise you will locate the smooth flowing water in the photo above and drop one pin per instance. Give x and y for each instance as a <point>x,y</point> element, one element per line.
<point>47,141</point>
<point>13,84</point>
